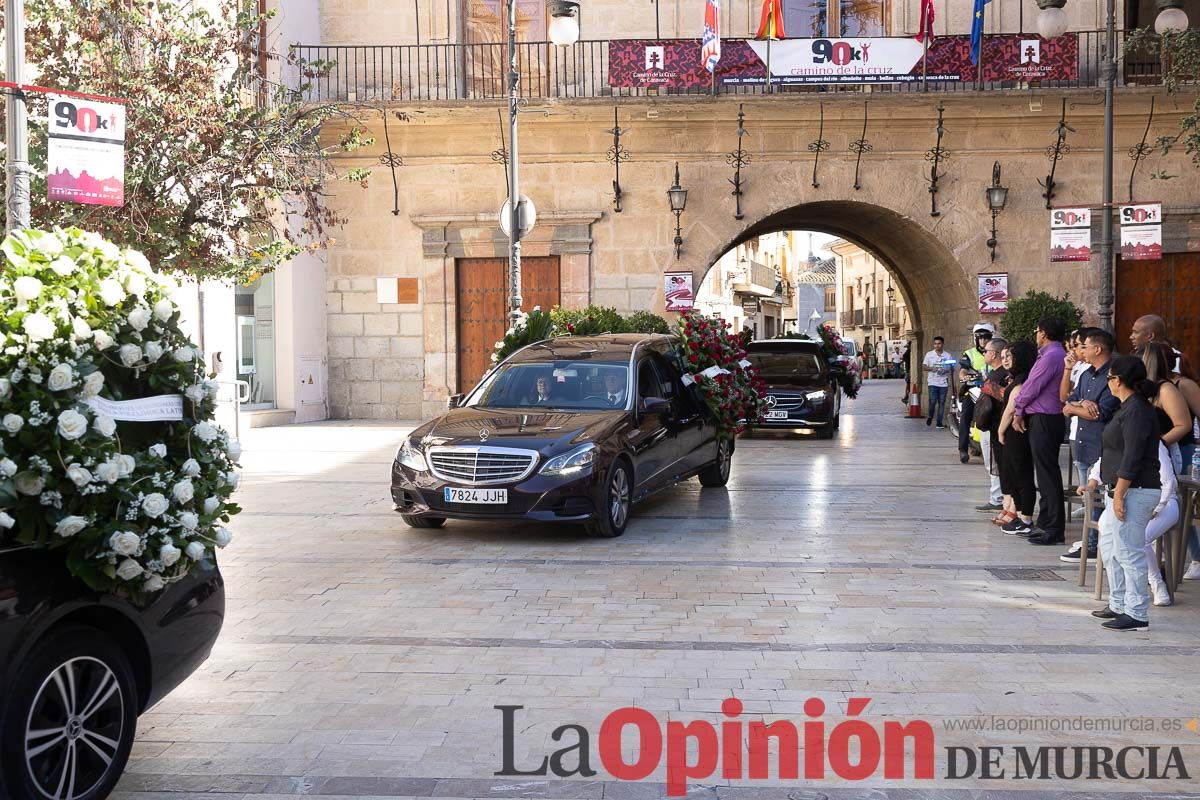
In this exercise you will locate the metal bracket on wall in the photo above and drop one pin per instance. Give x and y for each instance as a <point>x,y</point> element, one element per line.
<point>738,159</point>
<point>936,156</point>
<point>818,146</point>
<point>500,155</point>
<point>391,161</point>
<point>616,154</point>
<point>860,146</point>
<point>1141,150</point>
<point>1056,151</point>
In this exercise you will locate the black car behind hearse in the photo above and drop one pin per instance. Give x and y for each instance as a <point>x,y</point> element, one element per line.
<point>77,668</point>
<point>571,429</point>
<point>802,385</point>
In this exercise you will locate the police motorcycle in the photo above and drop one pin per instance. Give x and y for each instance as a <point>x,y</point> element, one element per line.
<point>962,405</point>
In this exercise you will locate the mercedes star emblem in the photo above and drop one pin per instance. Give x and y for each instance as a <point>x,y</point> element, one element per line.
<point>484,434</point>
<point>771,401</point>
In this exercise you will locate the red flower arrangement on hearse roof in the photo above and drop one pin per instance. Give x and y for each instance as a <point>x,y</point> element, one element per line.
<point>715,360</point>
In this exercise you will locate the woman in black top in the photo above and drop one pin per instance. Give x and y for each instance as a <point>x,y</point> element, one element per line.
<point>1016,458</point>
<point>1129,473</point>
<point>1175,418</point>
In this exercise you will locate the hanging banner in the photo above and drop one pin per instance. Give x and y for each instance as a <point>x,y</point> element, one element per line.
<point>1070,234</point>
<point>85,160</point>
<point>678,291</point>
<point>993,293</point>
<point>161,408</point>
<point>674,63</point>
<point>1141,232</point>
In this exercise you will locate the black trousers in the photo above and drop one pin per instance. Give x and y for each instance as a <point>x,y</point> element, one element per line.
<point>967,404</point>
<point>1046,433</point>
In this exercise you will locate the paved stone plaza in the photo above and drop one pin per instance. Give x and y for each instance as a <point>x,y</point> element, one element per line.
<point>363,659</point>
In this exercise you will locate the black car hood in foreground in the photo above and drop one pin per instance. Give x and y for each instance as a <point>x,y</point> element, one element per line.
<point>532,429</point>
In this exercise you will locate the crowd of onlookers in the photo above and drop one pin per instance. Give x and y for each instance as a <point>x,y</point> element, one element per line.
<point>1131,423</point>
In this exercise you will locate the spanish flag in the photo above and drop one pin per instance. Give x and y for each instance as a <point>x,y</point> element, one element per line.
<point>771,26</point>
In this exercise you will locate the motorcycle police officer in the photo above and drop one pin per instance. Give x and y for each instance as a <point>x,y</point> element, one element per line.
<point>971,372</point>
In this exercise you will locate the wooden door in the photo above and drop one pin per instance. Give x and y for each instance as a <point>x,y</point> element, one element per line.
<point>483,307</point>
<point>1170,288</point>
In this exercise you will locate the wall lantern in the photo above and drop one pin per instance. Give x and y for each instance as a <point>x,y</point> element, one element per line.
<point>564,22</point>
<point>996,196</point>
<point>678,198</point>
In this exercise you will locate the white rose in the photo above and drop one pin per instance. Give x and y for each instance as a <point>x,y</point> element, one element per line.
<point>107,471</point>
<point>188,520</point>
<point>105,425</point>
<point>63,266</point>
<point>29,483</point>
<point>184,355</point>
<point>125,464</point>
<point>212,387</point>
<point>235,450</point>
<point>7,522</point>
<point>159,450</point>
<point>5,387</point>
<point>206,431</point>
<point>38,327</point>
<point>153,584</point>
<point>8,467</point>
<point>169,554</point>
<point>154,351</point>
<point>135,283</point>
<point>163,310</point>
<point>49,244</point>
<point>195,393</point>
<point>129,570</point>
<point>194,551</point>
<point>130,354</point>
<point>111,292</point>
<point>27,288</point>
<point>191,468</point>
<point>12,423</point>
<point>211,505</point>
<point>61,377</point>
<point>139,318</point>
<point>72,424</point>
<point>183,491</point>
<point>232,478</point>
<point>79,475</point>
<point>222,536</point>
<point>81,328</point>
<point>92,384</point>
<point>154,505</point>
<point>136,260</point>
<point>102,339</point>
<point>69,526</point>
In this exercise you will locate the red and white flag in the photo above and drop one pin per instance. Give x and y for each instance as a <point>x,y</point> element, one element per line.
<point>925,27</point>
<point>710,46</point>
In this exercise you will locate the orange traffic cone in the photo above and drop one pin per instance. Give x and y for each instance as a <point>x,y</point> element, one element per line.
<point>914,401</point>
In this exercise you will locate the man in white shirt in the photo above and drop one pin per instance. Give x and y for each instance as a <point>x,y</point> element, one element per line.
<point>937,366</point>
<point>614,388</point>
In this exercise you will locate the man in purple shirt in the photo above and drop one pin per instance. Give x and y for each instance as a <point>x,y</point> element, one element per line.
<point>1038,410</point>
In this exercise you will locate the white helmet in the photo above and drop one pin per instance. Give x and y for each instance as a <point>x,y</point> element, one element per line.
<point>983,327</point>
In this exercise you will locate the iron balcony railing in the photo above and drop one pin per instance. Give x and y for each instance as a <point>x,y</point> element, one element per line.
<point>872,316</point>
<point>847,319</point>
<point>401,73</point>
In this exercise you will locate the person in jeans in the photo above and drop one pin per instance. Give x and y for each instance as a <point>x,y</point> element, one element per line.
<point>1129,473</point>
<point>1016,467</point>
<point>938,370</point>
<point>1090,406</point>
<point>1038,412</point>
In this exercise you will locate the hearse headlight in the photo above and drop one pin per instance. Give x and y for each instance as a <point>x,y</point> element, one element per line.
<point>411,457</point>
<point>577,460</point>
<point>815,397</point>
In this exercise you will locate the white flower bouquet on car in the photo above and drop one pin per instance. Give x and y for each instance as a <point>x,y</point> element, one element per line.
<point>108,449</point>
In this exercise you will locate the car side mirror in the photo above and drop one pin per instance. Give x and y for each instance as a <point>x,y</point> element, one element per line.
<point>655,405</point>
<point>454,401</point>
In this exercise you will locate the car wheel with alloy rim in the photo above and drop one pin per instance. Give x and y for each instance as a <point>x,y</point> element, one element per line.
<point>612,512</point>
<point>68,724</point>
<point>716,474</point>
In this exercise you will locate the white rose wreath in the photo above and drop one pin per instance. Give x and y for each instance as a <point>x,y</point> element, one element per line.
<point>133,505</point>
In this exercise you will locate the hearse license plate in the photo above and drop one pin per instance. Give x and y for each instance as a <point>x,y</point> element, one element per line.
<point>492,497</point>
<point>775,413</point>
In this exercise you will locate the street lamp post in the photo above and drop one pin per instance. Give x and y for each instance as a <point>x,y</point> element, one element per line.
<point>563,31</point>
<point>1052,22</point>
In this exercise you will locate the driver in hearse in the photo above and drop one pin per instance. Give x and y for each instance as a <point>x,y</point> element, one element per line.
<point>614,387</point>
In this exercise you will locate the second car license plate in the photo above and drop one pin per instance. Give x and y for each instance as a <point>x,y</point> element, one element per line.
<point>775,413</point>
<point>476,496</point>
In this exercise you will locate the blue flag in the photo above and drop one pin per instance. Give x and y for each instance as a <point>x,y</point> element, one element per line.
<point>977,30</point>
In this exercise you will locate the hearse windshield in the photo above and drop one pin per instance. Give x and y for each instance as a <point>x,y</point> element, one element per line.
<point>582,384</point>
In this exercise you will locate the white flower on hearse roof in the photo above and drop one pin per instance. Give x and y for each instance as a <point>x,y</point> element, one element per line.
<point>129,569</point>
<point>63,266</point>
<point>188,520</point>
<point>154,505</point>
<point>153,351</point>
<point>8,467</point>
<point>72,424</point>
<point>154,583</point>
<point>158,450</point>
<point>92,384</point>
<point>168,554</point>
<point>195,393</point>
<point>27,288</point>
<point>206,431</point>
<point>69,526</point>
<point>81,328</point>
<point>125,464</point>
<point>163,309</point>
<point>105,424</point>
<point>61,377</point>
<point>184,354</point>
<point>38,327</point>
<point>107,471</point>
<point>111,292</point>
<point>130,354</point>
<point>139,318</point>
<point>183,492</point>
<point>29,483</point>
<point>135,283</point>
<point>194,551</point>
<point>191,468</point>
<point>103,340</point>
<point>79,475</point>
<point>6,521</point>
<point>12,423</point>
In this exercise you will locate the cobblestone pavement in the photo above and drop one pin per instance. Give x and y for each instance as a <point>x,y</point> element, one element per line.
<point>363,659</point>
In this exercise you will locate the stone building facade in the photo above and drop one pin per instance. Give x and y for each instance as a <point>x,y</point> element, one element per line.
<point>400,354</point>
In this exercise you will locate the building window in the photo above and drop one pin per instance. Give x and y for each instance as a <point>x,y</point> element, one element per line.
<point>254,311</point>
<point>816,18</point>
<point>830,298</point>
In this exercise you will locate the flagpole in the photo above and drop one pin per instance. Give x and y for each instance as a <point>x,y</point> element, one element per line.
<point>769,38</point>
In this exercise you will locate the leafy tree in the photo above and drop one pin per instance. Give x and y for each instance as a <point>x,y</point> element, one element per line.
<point>1021,319</point>
<point>213,150</point>
<point>1178,52</point>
